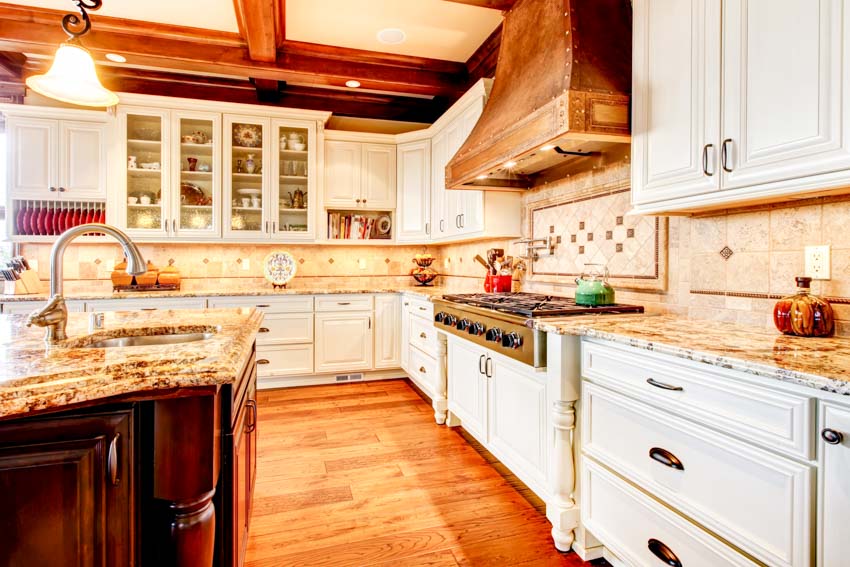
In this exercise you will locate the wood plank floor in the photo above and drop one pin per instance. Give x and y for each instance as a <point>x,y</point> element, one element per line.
<point>359,474</point>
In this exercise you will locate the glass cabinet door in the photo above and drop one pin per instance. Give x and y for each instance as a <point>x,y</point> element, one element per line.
<point>197,181</point>
<point>246,181</point>
<point>146,198</point>
<point>295,180</point>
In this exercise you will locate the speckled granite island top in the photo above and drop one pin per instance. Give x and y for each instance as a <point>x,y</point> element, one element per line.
<point>34,376</point>
<point>822,363</point>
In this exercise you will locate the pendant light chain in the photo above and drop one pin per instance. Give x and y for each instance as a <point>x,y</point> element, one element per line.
<point>70,21</point>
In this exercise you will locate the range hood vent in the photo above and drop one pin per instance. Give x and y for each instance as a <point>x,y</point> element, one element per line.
<point>560,99</point>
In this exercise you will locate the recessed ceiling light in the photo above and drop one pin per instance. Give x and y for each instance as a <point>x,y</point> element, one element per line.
<point>482,176</point>
<point>547,147</point>
<point>391,36</point>
<point>116,58</point>
<point>510,164</point>
<point>352,83</point>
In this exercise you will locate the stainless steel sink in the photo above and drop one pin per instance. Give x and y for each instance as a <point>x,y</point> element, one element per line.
<point>151,340</point>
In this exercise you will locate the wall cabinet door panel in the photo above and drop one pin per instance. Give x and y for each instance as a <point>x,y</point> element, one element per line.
<point>32,157</point>
<point>468,386</point>
<point>342,173</point>
<point>834,493</point>
<point>82,162</point>
<point>785,103</point>
<point>379,176</point>
<point>387,331</point>
<point>413,215</point>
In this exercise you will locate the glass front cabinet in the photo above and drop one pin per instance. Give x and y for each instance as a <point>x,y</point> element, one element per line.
<point>204,175</point>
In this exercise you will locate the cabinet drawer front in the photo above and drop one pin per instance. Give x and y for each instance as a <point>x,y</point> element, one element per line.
<point>295,304</point>
<point>423,371</point>
<point>146,304</point>
<point>725,399</point>
<point>286,328</point>
<point>353,302</point>
<point>27,307</point>
<point>757,500</point>
<point>418,306</point>
<point>423,335</point>
<point>284,360</point>
<point>626,520</point>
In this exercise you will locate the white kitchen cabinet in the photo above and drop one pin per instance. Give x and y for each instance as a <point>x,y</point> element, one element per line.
<point>413,214</point>
<point>727,110</point>
<point>439,158</point>
<point>387,331</point>
<point>282,360</point>
<point>785,103</point>
<point>833,492</point>
<point>467,386</point>
<point>247,177</point>
<point>343,341</point>
<point>294,170</point>
<point>676,105</point>
<point>404,355</point>
<point>360,175</point>
<point>54,159</point>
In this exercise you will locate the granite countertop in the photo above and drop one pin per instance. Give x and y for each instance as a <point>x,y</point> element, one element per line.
<point>821,363</point>
<point>427,292</point>
<point>35,376</point>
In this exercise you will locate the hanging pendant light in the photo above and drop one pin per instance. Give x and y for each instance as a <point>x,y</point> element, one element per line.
<point>72,77</point>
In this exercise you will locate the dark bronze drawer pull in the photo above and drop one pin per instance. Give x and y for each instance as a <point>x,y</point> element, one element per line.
<point>724,155</point>
<point>422,369</point>
<point>663,386</point>
<point>832,436</point>
<point>705,159</point>
<point>481,363</point>
<point>664,553</point>
<point>112,459</point>
<point>343,303</point>
<point>423,309</point>
<point>253,425</point>
<point>666,458</point>
<point>148,309</point>
<point>263,305</point>
<point>423,336</point>
<point>262,361</point>
<point>264,329</point>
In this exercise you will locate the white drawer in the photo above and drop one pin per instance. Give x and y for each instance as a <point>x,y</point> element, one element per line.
<point>423,335</point>
<point>286,328</point>
<point>423,371</point>
<point>284,360</point>
<point>418,306</point>
<point>290,304</point>
<point>723,399</point>
<point>146,304</point>
<point>339,302</point>
<point>27,307</point>
<point>626,522</point>
<point>758,501</point>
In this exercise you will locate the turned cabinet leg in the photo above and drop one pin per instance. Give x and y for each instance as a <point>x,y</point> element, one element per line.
<point>441,402</point>
<point>193,531</point>
<point>562,510</point>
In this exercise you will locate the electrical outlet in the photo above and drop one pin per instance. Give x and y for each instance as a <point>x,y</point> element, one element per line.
<point>817,262</point>
<point>362,263</point>
<point>246,264</point>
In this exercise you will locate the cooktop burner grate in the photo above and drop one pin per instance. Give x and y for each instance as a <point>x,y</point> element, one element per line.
<point>535,305</point>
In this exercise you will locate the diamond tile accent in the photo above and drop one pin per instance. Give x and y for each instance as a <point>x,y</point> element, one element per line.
<point>609,234</point>
<point>97,261</point>
<point>330,260</point>
<point>301,260</point>
<point>206,260</point>
<point>581,225</point>
<point>619,247</point>
<point>238,260</point>
<point>590,237</point>
<point>619,221</point>
<point>726,252</point>
<point>581,249</point>
<point>630,233</point>
<point>573,238</point>
<point>387,260</point>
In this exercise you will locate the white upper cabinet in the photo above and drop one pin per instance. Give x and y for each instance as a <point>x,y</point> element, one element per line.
<point>676,105</point>
<point>56,159</point>
<point>413,218</point>
<point>360,175</point>
<point>739,101</point>
<point>785,97</point>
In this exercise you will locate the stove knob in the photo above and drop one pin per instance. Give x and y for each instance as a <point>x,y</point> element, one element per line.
<point>438,318</point>
<point>449,320</point>
<point>464,324</point>
<point>494,335</point>
<point>512,340</point>
<point>476,329</point>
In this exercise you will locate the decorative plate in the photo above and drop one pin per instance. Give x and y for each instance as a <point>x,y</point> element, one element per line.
<point>247,135</point>
<point>279,268</point>
<point>384,225</point>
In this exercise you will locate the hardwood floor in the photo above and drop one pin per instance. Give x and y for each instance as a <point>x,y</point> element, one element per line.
<point>359,474</point>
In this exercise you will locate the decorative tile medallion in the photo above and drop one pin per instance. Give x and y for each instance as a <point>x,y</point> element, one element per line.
<point>634,248</point>
<point>726,252</point>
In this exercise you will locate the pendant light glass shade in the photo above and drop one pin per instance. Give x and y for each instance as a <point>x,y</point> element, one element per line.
<point>72,78</point>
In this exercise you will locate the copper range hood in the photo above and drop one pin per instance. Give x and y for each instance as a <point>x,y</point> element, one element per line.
<point>560,99</point>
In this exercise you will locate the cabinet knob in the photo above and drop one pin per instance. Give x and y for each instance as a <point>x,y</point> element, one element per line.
<point>423,336</point>
<point>61,189</point>
<point>358,201</point>
<point>422,369</point>
<point>364,201</point>
<point>53,189</point>
<point>832,436</point>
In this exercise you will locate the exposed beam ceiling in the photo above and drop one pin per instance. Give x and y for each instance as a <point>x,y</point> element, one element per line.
<point>258,20</point>
<point>494,4</point>
<point>482,63</point>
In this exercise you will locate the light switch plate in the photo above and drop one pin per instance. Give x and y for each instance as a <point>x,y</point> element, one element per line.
<point>817,262</point>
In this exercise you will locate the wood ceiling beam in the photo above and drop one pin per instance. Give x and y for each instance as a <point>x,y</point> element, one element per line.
<point>257,21</point>
<point>12,65</point>
<point>482,63</point>
<point>175,48</point>
<point>494,4</point>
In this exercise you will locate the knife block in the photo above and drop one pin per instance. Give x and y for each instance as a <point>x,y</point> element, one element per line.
<point>29,283</point>
<point>16,287</point>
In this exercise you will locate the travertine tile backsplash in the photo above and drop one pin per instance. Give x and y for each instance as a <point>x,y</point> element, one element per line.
<point>729,265</point>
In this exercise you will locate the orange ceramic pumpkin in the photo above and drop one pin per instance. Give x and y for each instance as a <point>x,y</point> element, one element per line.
<point>804,314</point>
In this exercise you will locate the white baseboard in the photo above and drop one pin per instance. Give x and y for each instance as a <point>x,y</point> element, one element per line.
<point>273,382</point>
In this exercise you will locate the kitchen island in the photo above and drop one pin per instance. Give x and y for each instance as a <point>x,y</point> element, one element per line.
<point>119,455</point>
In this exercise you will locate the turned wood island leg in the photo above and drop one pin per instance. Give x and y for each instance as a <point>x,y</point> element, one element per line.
<point>186,469</point>
<point>441,402</point>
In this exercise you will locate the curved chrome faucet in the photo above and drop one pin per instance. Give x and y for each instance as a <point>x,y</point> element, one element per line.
<point>54,315</point>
